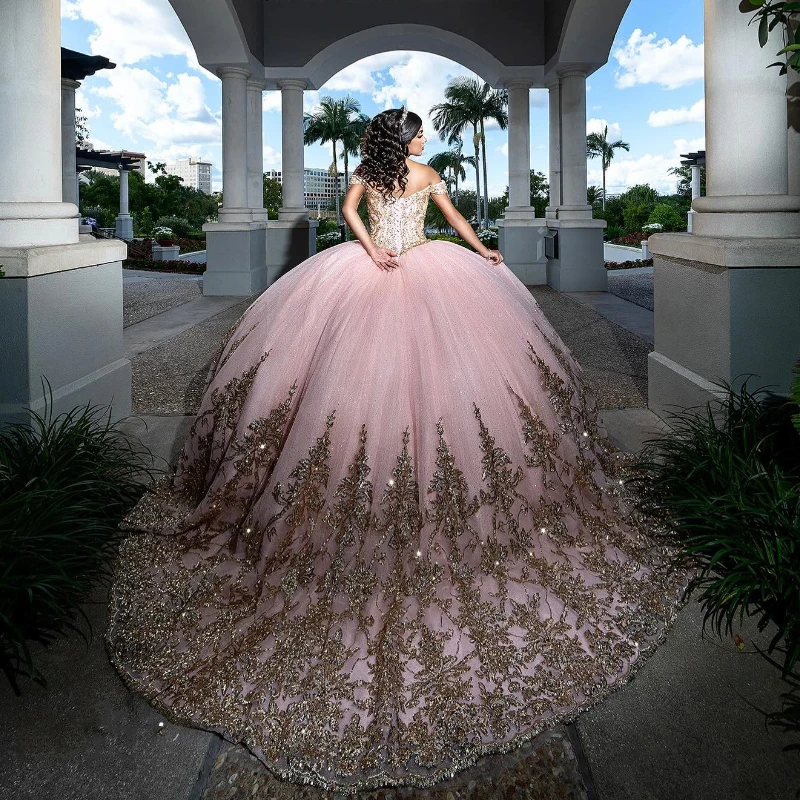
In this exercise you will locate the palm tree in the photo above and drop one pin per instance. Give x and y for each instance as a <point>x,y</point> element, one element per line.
<point>452,161</point>
<point>468,101</point>
<point>332,123</point>
<point>594,194</point>
<point>495,107</point>
<point>598,146</point>
<point>351,146</point>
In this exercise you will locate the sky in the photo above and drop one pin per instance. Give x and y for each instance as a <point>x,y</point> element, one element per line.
<point>160,101</point>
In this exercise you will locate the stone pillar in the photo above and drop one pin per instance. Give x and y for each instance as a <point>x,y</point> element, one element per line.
<point>747,176</point>
<point>255,150</point>
<point>578,263</point>
<point>741,265</point>
<point>69,169</point>
<point>573,146</point>
<point>61,297</point>
<point>31,207</point>
<point>520,234</point>
<point>519,147</point>
<point>292,156</point>
<point>554,90</point>
<point>124,222</point>
<point>235,206</point>
<point>236,246</point>
<point>292,237</point>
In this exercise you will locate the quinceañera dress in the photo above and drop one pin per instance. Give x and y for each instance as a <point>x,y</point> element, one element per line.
<point>395,540</point>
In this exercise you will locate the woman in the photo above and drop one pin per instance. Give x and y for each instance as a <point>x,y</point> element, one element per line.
<point>394,541</point>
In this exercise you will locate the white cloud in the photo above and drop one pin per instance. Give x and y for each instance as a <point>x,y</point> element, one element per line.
<point>159,114</point>
<point>598,126</point>
<point>652,169</point>
<point>643,59</point>
<point>133,31</point>
<point>272,158</point>
<point>272,101</point>
<point>361,75</point>
<point>502,149</point>
<point>83,103</point>
<point>678,116</point>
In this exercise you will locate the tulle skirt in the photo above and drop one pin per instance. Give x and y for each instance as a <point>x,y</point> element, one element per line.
<point>395,540</point>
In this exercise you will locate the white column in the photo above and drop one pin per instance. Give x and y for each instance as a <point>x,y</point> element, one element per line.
<point>746,124</point>
<point>555,149</point>
<point>255,150</point>
<point>69,170</point>
<point>123,192</point>
<point>519,148</point>
<point>573,145</point>
<point>31,208</point>
<point>292,148</point>
<point>695,194</point>
<point>234,145</point>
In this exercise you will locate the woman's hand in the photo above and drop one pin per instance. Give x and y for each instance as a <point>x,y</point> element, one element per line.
<point>385,259</point>
<point>495,256</point>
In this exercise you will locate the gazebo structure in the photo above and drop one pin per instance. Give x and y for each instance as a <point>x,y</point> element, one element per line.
<point>713,287</point>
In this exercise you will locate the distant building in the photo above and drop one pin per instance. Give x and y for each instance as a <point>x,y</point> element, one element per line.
<point>195,173</point>
<point>139,165</point>
<point>317,187</point>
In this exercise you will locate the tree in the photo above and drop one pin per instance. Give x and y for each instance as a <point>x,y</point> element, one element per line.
<point>332,123</point>
<point>668,217</point>
<point>273,196</point>
<point>540,192</point>
<point>82,131</point>
<point>494,108</point>
<point>598,146</point>
<point>684,175</point>
<point>468,102</point>
<point>771,14</point>
<point>594,195</point>
<point>452,162</point>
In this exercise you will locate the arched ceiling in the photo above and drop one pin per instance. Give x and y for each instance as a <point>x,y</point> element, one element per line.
<point>313,39</point>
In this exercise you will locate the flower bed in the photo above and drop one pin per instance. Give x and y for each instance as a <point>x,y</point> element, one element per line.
<point>648,262</point>
<point>142,249</point>
<point>632,239</point>
<point>186,267</point>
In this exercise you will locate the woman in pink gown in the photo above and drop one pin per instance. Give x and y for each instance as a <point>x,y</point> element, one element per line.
<point>394,541</point>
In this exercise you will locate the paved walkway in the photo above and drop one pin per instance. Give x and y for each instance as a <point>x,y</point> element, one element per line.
<point>687,727</point>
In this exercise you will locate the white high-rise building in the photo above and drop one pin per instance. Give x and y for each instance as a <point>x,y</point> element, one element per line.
<point>195,173</point>
<point>317,186</point>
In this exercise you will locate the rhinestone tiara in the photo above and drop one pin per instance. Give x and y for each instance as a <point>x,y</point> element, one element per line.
<point>403,115</point>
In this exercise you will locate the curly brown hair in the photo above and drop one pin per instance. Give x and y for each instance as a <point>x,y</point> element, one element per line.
<point>384,148</point>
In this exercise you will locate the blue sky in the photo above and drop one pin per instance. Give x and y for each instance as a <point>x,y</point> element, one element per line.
<point>160,101</point>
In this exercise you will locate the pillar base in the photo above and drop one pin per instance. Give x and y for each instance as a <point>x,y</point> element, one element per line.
<point>521,241</point>
<point>752,224</point>
<point>712,297</point>
<point>291,241</point>
<point>579,265</point>
<point>62,308</point>
<point>124,227</point>
<point>236,259</point>
<point>38,224</point>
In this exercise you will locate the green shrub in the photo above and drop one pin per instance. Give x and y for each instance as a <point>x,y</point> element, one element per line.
<point>668,217</point>
<point>106,218</point>
<point>178,225</point>
<point>65,484</point>
<point>145,224</point>
<point>726,483</point>
<point>635,216</point>
<point>329,239</point>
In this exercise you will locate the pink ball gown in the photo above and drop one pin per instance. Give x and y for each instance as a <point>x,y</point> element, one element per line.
<point>394,541</point>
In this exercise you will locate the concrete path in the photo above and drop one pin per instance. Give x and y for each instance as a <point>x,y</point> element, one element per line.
<point>627,315</point>
<point>150,332</point>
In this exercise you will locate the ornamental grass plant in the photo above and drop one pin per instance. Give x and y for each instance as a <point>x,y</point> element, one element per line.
<point>725,481</point>
<point>65,484</point>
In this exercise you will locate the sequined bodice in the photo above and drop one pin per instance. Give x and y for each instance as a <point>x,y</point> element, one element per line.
<point>398,224</point>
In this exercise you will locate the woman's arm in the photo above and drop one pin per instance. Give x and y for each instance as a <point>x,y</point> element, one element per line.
<point>385,259</point>
<point>463,228</point>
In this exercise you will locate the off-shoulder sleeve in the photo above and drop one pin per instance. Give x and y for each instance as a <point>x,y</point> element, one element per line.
<point>439,188</point>
<point>355,180</point>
